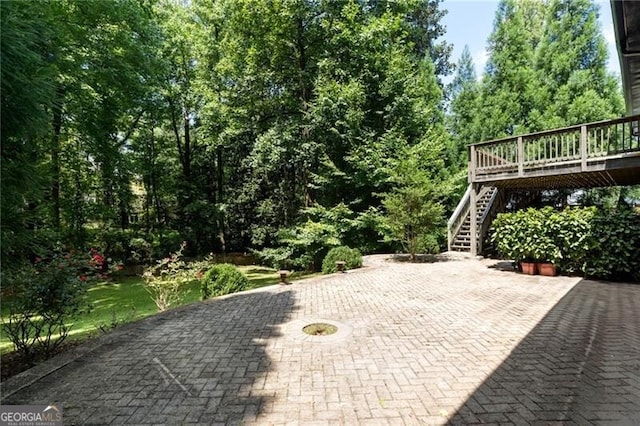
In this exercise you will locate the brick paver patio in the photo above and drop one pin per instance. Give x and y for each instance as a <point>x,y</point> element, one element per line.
<point>447,342</point>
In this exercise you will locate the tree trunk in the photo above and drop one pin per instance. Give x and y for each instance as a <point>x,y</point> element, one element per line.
<point>55,156</point>
<point>221,221</point>
<point>186,166</point>
<point>305,95</point>
<point>220,174</point>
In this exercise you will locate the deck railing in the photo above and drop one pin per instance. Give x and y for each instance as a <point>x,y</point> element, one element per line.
<point>574,148</point>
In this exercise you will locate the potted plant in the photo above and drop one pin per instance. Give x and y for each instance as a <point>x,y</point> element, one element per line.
<point>515,235</point>
<point>529,267</point>
<point>528,261</point>
<point>548,253</point>
<point>522,237</point>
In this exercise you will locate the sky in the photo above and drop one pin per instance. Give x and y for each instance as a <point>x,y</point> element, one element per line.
<point>470,22</point>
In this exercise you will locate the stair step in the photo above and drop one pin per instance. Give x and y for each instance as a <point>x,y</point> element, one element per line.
<point>462,240</point>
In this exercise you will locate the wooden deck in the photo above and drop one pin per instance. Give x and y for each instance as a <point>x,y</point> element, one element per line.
<point>605,153</point>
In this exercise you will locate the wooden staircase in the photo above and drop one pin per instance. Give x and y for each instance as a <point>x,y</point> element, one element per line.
<point>459,225</point>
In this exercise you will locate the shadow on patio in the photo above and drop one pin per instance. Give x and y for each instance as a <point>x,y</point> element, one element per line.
<point>199,363</point>
<point>580,363</point>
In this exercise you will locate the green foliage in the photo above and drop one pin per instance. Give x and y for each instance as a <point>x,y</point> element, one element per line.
<point>166,279</point>
<point>26,92</point>
<point>503,231</point>
<point>351,257</point>
<point>309,242</point>
<point>125,299</point>
<point>223,121</point>
<point>414,214</point>
<point>615,245</point>
<point>282,126</point>
<point>276,257</point>
<point>364,230</point>
<point>596,242</point>
<point>135,247</point>
<point>571,62</point>
<point>542,235</point>
<point>323,127</point>
<point>464,92</point>
<point>141,251</point>
<point>523,236</point>
<point>222,279</point>
<point>546,69</point>
<point>572,230</point>
<point>45,297</point>
<point>509,88</point>
<point>114,243</point>
<point>305,245</point>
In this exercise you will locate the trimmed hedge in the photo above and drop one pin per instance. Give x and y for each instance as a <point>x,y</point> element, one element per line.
<point>222,279</point>
<point>597,243</point>
<point>351,257</point>
<point>614,249</point>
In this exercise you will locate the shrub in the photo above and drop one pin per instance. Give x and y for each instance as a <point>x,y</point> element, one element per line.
<point>573,235</point>
<point>308,243</point>
<point>278,258</point>
<point>141,251</point>
<point>165,280</point>
<point>364,230</point>
<point>351,257</point>
<point>515,234</point>
<point>599,243</point>
<point>222,279</point>
<point>614,245</point>
<point>114,243</point>
<point>412,214</point>
<point>45,297</point>
<point>305,245</point>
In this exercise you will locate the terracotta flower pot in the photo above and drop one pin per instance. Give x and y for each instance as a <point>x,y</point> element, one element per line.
<point>548,269</point>
<point>528,268</point>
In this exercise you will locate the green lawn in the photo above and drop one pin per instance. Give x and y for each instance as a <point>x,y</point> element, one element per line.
<point>126,300</point>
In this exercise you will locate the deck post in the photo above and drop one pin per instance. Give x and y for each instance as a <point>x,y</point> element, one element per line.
<point>520,157</point>
<point>473,218</point>
<point>583,148</point>
<point>472,163</point>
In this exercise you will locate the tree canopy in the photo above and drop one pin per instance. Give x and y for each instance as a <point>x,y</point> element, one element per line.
<point>235,124</point>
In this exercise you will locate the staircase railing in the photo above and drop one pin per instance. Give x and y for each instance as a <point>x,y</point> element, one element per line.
<point>457,218</point>
<point>497,203</point>
<point>462,211</point>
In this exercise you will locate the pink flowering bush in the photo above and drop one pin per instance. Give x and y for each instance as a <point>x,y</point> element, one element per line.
<point>46,296</point>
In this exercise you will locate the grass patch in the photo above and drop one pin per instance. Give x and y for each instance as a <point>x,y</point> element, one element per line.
<point>126,299</point>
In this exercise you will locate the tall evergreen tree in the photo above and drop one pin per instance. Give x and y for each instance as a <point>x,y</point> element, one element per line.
<point>509,87</point>
<point>464,92</point>
<point>571,63</point>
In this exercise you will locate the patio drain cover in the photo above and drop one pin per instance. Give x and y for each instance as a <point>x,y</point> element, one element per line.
<point>317,330</point>
<point>320,329</point>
